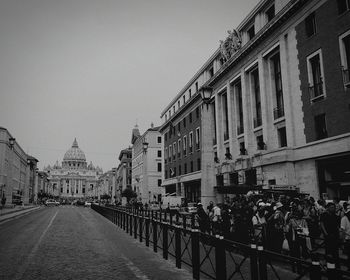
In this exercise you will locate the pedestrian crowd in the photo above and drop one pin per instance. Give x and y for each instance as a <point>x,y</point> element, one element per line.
<point>295,225</point>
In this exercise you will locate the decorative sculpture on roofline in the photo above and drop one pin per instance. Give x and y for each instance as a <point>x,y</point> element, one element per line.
<point>231,44</point>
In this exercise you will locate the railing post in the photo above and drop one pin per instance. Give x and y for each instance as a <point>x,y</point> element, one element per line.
<point>127,221</point>
<point>315,269</point>
<point>147,221</point>
<point>165,240</point>
<point>131,222</point>
<point>178,246</point>
<point>193,223</point>
<point>195,254</point>
<point>253,262</point>
<point>141,220</point>
<point>262,263</point>
<point>220,258</point>
<point>135,225</point>
<point>154,224</point>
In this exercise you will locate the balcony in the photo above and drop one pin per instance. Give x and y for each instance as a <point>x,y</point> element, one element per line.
<point>240,129</point>
<point>316,91</point>
<point>257,121</point>
<point>278,112</point>
<point>346,77</point>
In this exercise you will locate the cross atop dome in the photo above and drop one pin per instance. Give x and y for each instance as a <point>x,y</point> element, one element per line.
<point>75,143</point>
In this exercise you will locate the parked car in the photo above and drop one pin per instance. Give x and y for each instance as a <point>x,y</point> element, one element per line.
<point>87,204</point>
<point>51,202</point>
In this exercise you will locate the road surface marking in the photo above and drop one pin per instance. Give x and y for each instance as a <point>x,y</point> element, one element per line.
<point>32,253</point>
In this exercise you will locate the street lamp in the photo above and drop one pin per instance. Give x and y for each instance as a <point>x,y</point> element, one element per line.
<point>206,93</point>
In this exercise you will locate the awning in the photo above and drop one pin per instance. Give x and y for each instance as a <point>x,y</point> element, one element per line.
<point>237,189</point>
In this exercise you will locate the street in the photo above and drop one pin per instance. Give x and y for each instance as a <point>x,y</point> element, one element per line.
<point>69,242</point>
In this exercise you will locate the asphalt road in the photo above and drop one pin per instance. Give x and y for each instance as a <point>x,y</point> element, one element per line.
<point>69,242</point>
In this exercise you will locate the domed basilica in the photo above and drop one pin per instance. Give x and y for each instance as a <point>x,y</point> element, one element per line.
<point>74,179</point>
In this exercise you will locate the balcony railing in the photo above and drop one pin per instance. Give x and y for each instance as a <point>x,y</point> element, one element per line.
<point>346,77</point>
<point>316,91</point>
<point>257,122</point>
<point>278,112</point>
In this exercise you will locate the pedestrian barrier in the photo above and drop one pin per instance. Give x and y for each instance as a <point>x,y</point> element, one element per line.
<point>215,257</point>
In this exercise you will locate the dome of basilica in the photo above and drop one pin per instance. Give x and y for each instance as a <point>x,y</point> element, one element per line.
<point>74,153</point>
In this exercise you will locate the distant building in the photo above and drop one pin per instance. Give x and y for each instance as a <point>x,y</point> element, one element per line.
<point>123,177</point>
<point>147,164</point>
<point>17,171</point>
<point>74,179</point>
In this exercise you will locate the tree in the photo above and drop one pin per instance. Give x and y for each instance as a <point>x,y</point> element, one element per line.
<point>129,193</point>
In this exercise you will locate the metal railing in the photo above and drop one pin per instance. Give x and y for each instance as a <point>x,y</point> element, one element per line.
<point>213,256</point>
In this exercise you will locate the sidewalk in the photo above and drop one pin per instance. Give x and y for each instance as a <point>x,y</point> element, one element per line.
<point>9,213</point>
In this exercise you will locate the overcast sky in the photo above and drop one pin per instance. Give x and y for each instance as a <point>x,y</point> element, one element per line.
<point>91,69</point>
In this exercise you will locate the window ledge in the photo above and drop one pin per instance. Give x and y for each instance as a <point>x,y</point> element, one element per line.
<point>318,98</point>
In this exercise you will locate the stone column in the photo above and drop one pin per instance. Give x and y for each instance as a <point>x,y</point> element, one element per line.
<point>207,155</point>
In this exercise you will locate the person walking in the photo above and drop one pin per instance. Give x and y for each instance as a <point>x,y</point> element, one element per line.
<point>275,233</point>
<point>203,219</point>
<point>345,233</point>
<point>330,223</point>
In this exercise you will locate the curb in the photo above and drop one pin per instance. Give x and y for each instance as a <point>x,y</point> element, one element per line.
<point>17,214</point>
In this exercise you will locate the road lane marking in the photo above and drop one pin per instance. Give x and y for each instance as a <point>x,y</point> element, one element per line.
<point>32,253</point>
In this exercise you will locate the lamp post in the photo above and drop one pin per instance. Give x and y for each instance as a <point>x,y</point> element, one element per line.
<point>207,153</point>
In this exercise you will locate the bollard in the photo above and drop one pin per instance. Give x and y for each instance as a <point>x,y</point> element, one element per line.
<point>220,254</point>
<point>178,246</point>
<point>165,240</point>
<point>262,263</point>
<point>195,254</point>
<point>253,261</point>
<point>315,269</point>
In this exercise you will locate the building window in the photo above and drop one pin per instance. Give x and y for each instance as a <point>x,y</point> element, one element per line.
<point>278,110</point>
<point>166,136</point>
<point>315,74</point>
<point>260,143</point>
<point>196,85</point>
<point>310,25</point>
<point>179,148</point>
<point>198,164</point>
<point>239,106</point>
<point>190,117</point>
<point>344,41</point>
<point>179,127</point>
<point>320,127</point>
<point>174,109</point>
<point>189,94</point>
<point>282,137</point>
<point>211,72</point>
<point>190,144</point>
<point>251,32</point>
<point>166,117</point>
<point>159,167</point>
<point>225,115</point>
<point>191,164</point>
<point>159,182</point>
<point>185,146</point>
<point>185,168</point>
<point>255,86</point>
<point>270,13</point>
<point>174,150</point>
<point>67,190</point>
<point>83,190</point>
<point>343,6</point>
<point>214,123</point>
<point>170,152</point>
<point>166,174</point>
<point>233,176</point>
<point>159,153</point>
<point>165,154</point>
<point>159,139</point>
<point>61,190</point>
<point>198,139</point>
<point>220,180</point>
<point>178,104</point>
<point>228,155</point>
<point>197,112</point>
<point>184,99</point>
<point>179,169</point>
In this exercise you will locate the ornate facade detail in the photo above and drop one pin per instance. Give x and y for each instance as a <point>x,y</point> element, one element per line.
<point>231,44</point>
